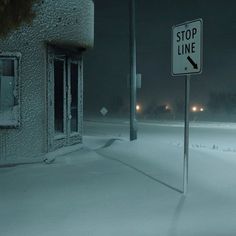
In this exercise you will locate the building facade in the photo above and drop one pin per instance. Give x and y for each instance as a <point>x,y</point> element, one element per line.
<point>41,81</point>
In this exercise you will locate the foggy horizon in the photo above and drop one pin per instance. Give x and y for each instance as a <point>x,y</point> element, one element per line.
<point>107,65</point>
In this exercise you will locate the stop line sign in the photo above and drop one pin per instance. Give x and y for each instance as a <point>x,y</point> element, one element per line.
<point>187,48</point>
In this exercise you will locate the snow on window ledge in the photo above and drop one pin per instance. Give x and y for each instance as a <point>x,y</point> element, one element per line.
<point>9,119</point>
<point>8,125</point>
<point>10,109</point>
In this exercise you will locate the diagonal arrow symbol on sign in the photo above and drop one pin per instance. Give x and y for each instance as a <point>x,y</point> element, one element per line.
<point>195,66</point>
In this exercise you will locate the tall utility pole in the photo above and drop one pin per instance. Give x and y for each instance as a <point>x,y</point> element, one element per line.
<point>133,87</point>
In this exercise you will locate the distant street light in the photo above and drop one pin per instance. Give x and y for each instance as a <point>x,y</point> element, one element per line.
<point>138,108</point>
<point>197,109</point>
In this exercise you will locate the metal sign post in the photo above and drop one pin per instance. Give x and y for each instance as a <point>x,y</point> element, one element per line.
<point>187,60</point>
<point>186,134</point>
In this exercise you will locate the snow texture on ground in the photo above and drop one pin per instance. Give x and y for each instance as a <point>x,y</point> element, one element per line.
<point>111,186</point>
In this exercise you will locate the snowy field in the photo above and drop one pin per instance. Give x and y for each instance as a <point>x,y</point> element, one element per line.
<point>113,187</point>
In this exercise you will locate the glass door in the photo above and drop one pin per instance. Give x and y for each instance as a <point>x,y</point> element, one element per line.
<point>59,101</point>
<point>74,100</point>
<point>64,100</point>
<point>59,96</point>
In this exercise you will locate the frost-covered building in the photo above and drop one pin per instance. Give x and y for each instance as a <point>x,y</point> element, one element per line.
<point>41,80</point>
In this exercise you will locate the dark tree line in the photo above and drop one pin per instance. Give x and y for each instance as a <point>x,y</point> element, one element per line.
<point>222,102</point>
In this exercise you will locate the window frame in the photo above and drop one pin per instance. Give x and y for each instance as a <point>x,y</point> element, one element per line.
<point>15,123</point>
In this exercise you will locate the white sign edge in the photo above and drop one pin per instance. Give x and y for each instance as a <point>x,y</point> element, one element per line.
<point>201,50</point>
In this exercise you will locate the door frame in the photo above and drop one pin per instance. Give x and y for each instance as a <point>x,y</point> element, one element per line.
<point>75,137</point>
<point>66,138</point>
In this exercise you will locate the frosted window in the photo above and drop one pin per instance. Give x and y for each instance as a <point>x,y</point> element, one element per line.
<point>9,91</point>
<point>7,67</point>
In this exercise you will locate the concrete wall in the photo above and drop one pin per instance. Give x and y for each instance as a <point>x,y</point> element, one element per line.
<point>67,23</point>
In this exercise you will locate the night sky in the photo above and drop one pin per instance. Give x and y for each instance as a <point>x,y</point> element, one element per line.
<point>107,65</point>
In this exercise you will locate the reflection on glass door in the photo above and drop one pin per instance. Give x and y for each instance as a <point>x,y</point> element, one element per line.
<point>74,96</point>
<point>59,96</point>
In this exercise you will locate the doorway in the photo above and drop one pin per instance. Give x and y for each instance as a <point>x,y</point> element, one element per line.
<point>64,98</point>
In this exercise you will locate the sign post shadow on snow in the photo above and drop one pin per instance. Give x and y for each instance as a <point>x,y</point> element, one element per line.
<point>187,60</point>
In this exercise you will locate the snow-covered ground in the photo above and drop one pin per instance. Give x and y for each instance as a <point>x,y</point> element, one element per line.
<point>111,186</point>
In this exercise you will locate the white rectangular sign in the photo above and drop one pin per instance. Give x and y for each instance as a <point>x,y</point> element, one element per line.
<point>187,48</point>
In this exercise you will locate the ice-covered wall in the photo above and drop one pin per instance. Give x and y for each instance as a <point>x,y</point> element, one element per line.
<point>69,23</point>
